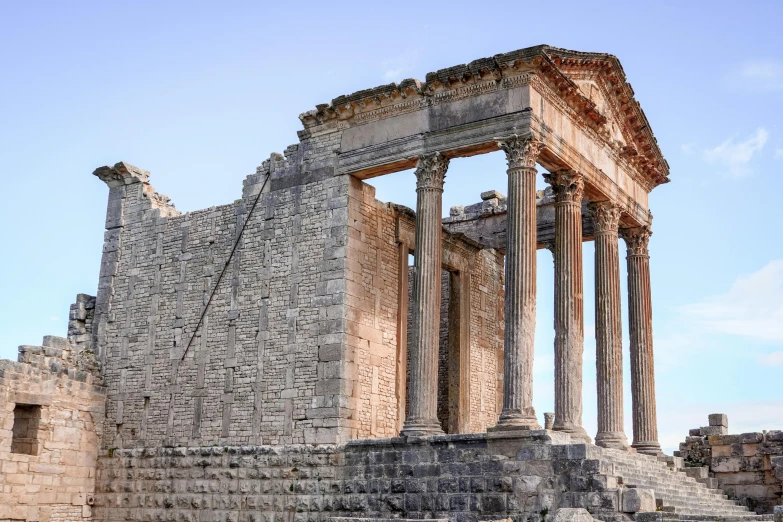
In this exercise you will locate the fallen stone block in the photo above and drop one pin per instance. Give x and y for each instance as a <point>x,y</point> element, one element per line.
<point>638,499</point>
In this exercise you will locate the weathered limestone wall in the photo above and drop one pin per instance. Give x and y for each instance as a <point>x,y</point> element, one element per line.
<point>463,478</point>
<point>51,414</point>
<point>372,286</point>
<point>748,467</point>
<point>252,366</point>
<point>380,236</point>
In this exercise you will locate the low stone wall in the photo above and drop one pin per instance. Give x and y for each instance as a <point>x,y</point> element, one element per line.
<point>464,478</point>
<point>51,413</point>
<point>748,466</point>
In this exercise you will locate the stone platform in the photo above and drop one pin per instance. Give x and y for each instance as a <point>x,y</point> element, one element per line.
<point>522,475</point>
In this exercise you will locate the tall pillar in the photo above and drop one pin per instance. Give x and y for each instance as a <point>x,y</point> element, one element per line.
<point>608,327</point>
<point>645,424</point>
<point>520,291</point>
<point>569,306</point>
<point>422,416</point>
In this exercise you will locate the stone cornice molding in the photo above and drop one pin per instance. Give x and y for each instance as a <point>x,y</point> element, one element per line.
<point>431,172</point>
<point>542,65</point>
<point>637,240</point>
<point>568,185</point>
<point>521,152</point>
<point>606,217</point>
<point>121,173</point>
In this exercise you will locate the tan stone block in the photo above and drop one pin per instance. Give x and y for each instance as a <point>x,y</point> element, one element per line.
<point>749,450</point>
<point>54,469</point>
<point>32,514</point>
<point>16,478</point>
<point>721,451</point>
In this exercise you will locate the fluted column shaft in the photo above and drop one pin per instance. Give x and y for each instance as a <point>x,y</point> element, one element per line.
<point>608,327</point>
<point>520,285</point>
<point>569,301</point>
<point>422,415</point>
<point>645,424</point>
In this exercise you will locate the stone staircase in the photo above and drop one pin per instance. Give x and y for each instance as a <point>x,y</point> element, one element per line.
<point>679,497</point>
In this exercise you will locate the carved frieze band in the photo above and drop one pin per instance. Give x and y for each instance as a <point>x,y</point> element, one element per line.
<point>606,216</point>
<point>637,239</point>
<point>431,171</point>
<point>521,152</point>
<point>568,185</point>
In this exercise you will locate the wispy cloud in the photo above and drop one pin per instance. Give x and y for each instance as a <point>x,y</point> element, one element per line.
<point>759,75</point>
<point>753,307</point>
<point>779,152</point>
<point>401,66</point>
<point>772,359</point>
<point>688,148</point>
<point>735,156</point>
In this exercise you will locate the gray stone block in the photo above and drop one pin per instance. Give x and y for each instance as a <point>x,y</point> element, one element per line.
<point>719,419</point>
<point>638,499</point>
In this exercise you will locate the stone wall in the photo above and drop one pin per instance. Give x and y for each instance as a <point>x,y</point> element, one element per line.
<point>463,478</point>
<point>51,414</point>
<point>216,326</point>
<point>380,237</point>
<point>748,466</point>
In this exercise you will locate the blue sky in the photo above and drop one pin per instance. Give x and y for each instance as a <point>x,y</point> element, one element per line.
<point>200,94</point>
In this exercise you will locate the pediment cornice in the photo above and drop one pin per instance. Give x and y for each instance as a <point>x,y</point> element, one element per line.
<point>556,68</point>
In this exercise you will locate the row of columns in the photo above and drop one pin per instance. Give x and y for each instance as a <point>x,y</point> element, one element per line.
<point>520,306</point>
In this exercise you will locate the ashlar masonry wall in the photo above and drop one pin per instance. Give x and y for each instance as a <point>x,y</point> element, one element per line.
<point>51,422</point>
<point>378,322</point>
<point>210,323</point>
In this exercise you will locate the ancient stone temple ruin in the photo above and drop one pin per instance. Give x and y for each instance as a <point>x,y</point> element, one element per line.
<point>276,359</point>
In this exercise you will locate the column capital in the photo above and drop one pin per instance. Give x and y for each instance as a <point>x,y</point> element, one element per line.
<point>606,216</point>
<point>431,171</point>
<point>568,185</point>
<point>636,240</point>
<point>521,152</point>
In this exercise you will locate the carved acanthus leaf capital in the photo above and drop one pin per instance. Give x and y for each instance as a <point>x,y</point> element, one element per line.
<point>431,171</point>
<point>568,185</point>
<point>606,216</point>
<point>636,240</point>
<point>521,152</point>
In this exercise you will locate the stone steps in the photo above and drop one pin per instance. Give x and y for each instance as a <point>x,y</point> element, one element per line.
<point>679,496</point>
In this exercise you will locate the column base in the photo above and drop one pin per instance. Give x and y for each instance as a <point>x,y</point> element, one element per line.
<point>611,439</point>
<point>576,432</point>
<point>421,428</point>
<point>648,448</point>
<point>516,421</point>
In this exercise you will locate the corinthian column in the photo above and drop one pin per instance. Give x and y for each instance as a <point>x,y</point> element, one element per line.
<point>645,424</point>
<point>520,298</point>
<point>422,415</point>
<point>569,307</point>
<point>608,327</point>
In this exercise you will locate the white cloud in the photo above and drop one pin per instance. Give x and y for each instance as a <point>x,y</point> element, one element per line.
<point>753,306</point>
<point>735,156</point>
<point>687,148</point>
<point>401,66</point>
<point>772,359</point>
<point>761,75</point>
